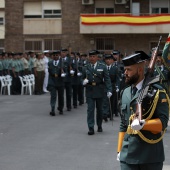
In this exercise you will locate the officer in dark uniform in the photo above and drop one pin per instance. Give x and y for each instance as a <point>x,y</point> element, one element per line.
<point>56,82</point>
<point>67,80</point>
<point>80,85</point>
<point>74,78</point>
<point>161,70</point>
<point>95,78</point>
<point>112,70</point>
<point>82,63</point>
<point>120,68</point>
<point>140,144</point>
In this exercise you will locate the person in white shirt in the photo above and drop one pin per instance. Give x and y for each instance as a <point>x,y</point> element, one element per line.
<point>46,60</point>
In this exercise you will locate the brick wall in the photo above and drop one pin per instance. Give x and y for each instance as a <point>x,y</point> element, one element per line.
<point>14,25</point>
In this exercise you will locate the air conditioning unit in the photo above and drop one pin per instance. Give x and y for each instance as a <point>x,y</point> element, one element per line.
<point>120,1</point>
<point>87,2</point>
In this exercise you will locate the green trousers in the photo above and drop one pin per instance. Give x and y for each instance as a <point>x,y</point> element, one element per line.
<point>149,166</point>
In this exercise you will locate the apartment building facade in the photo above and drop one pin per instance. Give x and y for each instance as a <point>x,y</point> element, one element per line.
<point>82,25</point>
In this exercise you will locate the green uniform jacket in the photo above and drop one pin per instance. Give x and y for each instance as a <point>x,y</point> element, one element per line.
<point>54,70</point>
<point>134,149</point>
<point>100,77</point>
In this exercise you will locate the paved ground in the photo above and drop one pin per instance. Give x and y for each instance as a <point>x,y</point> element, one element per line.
<point>32,140</point>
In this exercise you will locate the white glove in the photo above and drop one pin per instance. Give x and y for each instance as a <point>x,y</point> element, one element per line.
<point>109,94</point>
<point>85,81</point>
<point>118,156</point>
<point>137,125</point>
<point>72,71</point>
<point>79,74</point>
<point>117,89</point>
<point>63,74</point>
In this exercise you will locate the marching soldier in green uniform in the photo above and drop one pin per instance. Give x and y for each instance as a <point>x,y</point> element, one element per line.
<point>95,78</point>
<point>75,77</point>
<point>120,68</point>
<point>112,70</point>
<point>161,70</point>
<point>67,80</point>
<point>140,144</point>
<point>56,82</point>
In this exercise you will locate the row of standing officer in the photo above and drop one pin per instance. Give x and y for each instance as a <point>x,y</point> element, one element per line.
<point>16,64</point>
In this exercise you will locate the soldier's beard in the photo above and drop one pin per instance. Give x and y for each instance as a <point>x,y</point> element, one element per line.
<point>132,80</point>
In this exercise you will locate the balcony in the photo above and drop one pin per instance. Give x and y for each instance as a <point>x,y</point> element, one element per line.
<point>42,26</point>
<point>124,24</point>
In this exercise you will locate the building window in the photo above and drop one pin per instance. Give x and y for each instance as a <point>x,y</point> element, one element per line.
<point>41,45</point>
<point>44,9</point>
<point>104,10</point>
<point>104,44</point>
<point>104,7</point>
<point>159,7</point>
<point>52,13</point>
<point>1,21</point>
<point>159,10</point>
<point>33,45</point>
<point>52,44</point>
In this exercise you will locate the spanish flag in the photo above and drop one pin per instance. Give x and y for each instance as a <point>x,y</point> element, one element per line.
<point>165,53</point>
<point>112,19</point>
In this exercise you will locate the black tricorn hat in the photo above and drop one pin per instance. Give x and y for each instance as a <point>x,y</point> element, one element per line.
<point>115,52</point>
<point>134,59</point>
<point>144,56</point>
<point>94,52</point>
<point>108,56</point>
<point>77,53</point>
<point>83,55</point>
<point>56,52</point>
<point>64,49</point>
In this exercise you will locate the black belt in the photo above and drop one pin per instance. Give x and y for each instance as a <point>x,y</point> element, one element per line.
<point>94,83</point>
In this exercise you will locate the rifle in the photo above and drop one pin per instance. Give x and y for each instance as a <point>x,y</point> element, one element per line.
<point>149,79</point>
<point>61,61</point>
<point>69,59</point>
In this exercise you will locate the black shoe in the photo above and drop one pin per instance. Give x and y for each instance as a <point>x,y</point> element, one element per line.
<point>52,113</point>
<point>100,129</point>
<point>116,115</point>
<point>91,131</point>
<point>75,107</point>
<point>68,109</point>
<point>105,119</point>
<point>60,112</point>
<point>111,118</point>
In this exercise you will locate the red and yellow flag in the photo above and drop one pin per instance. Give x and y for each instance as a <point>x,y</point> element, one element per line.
<point>100,19</point>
